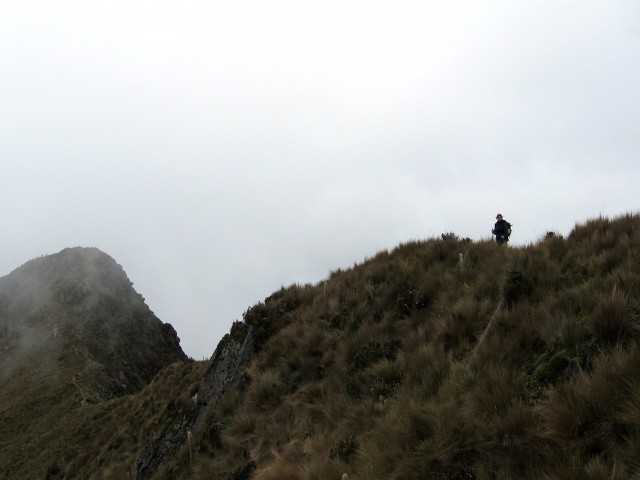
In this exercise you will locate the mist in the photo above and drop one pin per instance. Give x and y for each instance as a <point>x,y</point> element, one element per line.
<point>219,150</point>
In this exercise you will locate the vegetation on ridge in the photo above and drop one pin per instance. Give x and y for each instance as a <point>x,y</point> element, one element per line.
<point>73,333</point>
<point>387,370</point>
<point>378,372</point>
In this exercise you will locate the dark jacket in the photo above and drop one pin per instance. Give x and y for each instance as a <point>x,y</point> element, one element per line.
<point>501,228</point>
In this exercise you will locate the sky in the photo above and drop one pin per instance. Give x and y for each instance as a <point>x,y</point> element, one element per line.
<point>219,150</point>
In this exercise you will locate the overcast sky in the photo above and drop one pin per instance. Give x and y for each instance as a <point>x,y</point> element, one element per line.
<point>219,150</point>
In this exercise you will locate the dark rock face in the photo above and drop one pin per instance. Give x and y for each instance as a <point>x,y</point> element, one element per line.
<point>231,357</point>
<point>78,307</point>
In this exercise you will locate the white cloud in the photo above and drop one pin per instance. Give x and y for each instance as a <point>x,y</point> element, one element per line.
<point>219,150</point>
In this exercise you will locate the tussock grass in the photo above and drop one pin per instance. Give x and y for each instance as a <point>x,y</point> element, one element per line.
<point>95,441</point>
<point>378,371</point>
<point>265,389</point>
<point>611,321</point>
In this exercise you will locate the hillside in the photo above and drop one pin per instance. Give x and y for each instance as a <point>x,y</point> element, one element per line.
<point>445,358</point>
<point>383,372</point>
<point>73,332</point>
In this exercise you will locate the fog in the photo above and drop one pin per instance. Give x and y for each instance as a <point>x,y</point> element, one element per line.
<point>220,150</point>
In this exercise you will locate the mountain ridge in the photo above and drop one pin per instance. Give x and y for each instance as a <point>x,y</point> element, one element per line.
<point>82,296</point>
<point>444,358</point>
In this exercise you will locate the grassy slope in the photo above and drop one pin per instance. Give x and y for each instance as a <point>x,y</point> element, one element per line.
<point>378,372</point>
<point>47,432</point>
<point>69,312</point>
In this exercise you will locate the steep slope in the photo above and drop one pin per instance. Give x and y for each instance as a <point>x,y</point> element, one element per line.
<point>380,371</point>
<point>224,370</point>
<point>444,359</point>
<point>73,331</point>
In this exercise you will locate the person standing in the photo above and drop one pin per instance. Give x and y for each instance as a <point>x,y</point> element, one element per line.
<point>502,230</point>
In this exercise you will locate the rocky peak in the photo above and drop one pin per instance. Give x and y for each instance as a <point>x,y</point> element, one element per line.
<point>78,309</point>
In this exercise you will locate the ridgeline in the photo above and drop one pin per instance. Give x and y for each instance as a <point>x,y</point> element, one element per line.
<point>443,359</point>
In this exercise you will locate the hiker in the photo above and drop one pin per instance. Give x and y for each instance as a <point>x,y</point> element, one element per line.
<point>502,230</point>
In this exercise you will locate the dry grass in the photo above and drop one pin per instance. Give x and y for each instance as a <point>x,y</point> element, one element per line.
<point>377,372</point>
<point>373,375</point>
<point>102,440</point>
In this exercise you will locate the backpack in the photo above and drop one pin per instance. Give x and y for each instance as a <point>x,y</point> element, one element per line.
<point>508,230</point>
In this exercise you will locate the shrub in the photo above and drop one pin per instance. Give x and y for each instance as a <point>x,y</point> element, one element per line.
<point>369,354</point>
<point>344,448</point>
<point>549,370</point>
<point>383,379</point>
<point>517,286</point>
<point>209,437</point>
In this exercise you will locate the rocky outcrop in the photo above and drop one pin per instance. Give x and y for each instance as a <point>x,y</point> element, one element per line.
<point>77,311</point>
<point>232,355</point>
